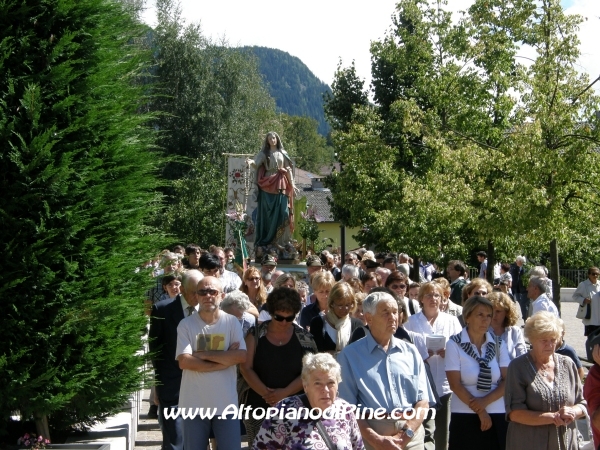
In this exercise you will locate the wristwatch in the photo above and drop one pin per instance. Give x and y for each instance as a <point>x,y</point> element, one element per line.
<point>408,432</point>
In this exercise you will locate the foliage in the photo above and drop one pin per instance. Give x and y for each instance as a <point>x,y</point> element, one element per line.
<point>309,228</point>
<point>301,139</point>
<point>297,91</point>
<point>79,180</point>
<point>465,145</point>
<point>211,100</point>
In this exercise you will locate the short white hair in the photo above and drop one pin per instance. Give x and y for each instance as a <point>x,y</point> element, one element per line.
<point>237,299</point>
<point>370,303</point>
<point>521,258</point>
<point>323,362</point>
<point>351,270</point>
<point>538,271</point>
<point>190,277</point>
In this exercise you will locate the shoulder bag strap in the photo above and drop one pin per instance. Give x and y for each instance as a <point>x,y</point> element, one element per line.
<point>411,307</point>
<point>320,428</point>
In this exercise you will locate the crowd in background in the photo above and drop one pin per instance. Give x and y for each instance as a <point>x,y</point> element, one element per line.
<point>440,340</point>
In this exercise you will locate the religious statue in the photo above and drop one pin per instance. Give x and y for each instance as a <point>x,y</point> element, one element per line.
<point>274,222</point>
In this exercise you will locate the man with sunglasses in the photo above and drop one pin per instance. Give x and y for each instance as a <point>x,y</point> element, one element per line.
<point>209,346</point>
<point>587,294</point>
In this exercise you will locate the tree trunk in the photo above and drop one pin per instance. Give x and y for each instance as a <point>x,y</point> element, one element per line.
<point>491,258</point>
<point>555,273</point>
<point>41,425</point>
<point>415,273</point>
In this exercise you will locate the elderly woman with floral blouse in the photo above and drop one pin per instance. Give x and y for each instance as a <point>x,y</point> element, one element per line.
<point>294,430</point>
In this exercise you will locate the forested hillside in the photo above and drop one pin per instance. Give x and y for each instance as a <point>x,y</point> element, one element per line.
<point>296,90</point>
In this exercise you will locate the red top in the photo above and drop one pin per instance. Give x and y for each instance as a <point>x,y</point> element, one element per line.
<point>591,392</point>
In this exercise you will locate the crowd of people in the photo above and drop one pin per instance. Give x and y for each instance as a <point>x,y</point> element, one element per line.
<point>437,362</point>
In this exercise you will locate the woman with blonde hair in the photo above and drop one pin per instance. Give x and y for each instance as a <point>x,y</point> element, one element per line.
<point>321,283</point>
<point>332,329</point>
<point>543,394</point>
<point>478,286</point>
<point>447,305</point>
<point>476,367</point>
<point>504,324</point>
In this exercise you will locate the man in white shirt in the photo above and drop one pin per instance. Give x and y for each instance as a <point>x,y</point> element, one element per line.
<point>231,281</point>
<point>209,346</point>
<point>536,291</point>
<point>587,293</point>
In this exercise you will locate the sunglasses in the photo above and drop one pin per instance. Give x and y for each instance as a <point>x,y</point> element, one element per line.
<point>398,286</point>
<point>279,318</point>
<point>254,279</point>
<point>594,274</point>
<point>482,293</point>
<point>205,292</point>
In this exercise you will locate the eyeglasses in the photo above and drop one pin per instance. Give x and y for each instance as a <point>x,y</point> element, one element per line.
<point>398,286</point>
<point>279,318</point>
<point>594,274</point>
<point>432,296</point>
<point>205,292</point>
<point>254,279</point>
<point>343,306</point>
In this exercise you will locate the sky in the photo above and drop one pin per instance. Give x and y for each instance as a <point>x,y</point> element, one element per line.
<point>324,32</point>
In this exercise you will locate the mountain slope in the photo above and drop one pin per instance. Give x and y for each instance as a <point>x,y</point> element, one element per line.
<point>296,90</point>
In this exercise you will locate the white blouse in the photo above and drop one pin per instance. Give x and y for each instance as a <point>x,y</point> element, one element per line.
<point>458,360</point>
<point>445,325</point>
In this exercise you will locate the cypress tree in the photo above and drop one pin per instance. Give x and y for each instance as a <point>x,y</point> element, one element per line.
<point>77,182</point>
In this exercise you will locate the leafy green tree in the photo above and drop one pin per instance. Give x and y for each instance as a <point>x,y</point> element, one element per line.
<point>210,100</point>
<point>302,140</point>
<point>77,172</point>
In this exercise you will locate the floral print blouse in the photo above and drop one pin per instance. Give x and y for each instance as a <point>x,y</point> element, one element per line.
<point>292,433</point>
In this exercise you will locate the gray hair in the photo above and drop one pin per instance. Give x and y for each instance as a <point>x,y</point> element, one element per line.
<point>383,271</point>
<point>538,271</point>
<point>237,299</point>
<point>350,270</point>
<point>541,324</point>
<point>302,286</point>
<point>370,303</point>
<point>521,258</point>
<point>191,277</point>
<point>540,282</point>
<point>168,257</point>
<point>283,278</point>
<point>323,362</point>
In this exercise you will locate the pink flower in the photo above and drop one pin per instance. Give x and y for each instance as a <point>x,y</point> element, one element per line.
<point>40,438</point>
<point>27,443</point>
<point>26,436</point>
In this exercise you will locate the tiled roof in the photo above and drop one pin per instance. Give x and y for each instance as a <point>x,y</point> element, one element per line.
<point>318,200</point>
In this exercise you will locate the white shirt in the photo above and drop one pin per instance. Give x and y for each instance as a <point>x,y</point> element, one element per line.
<point>458,360</point>
<point>588,290</point>
<point>415,303</point>
<point>231,281</point>
<point>208,389</point>
<point>543,303</point>
<point>184,306</point>
<point>445,325</point>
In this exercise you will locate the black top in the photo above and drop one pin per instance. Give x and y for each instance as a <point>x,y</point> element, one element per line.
<point>322,338</point>
<point>276,366</point>
<point>309,313</point>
